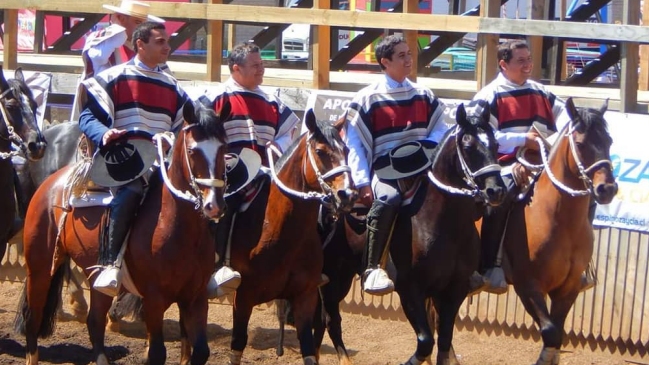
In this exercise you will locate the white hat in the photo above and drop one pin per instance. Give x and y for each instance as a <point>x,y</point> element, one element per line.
<point>136,9</point>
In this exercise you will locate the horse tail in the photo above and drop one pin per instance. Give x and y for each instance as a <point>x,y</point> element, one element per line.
<point>48,323</point>
<point>127,304</point>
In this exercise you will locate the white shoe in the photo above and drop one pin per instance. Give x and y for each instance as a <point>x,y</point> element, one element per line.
<point>223,282</point>
<point>108,281</point>
<point>377,282</point>
<point>497,281</point>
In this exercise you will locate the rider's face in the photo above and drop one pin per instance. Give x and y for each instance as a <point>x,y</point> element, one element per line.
<point>250,73</point>
<point>519,68</point>
<point>129,23</point>
<point>156,51</point>
<point>400,66</point>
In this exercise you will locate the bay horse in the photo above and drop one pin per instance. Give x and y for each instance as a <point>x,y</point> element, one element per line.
<point>549,239</point>
<point>18,127</point>
<point>170,251</point>
<point>435,246</point>
<point>275,245</point>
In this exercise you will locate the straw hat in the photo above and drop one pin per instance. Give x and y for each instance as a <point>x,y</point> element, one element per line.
<point>134,8</point>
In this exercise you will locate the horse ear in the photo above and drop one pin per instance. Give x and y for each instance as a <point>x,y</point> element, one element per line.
<point>486,113</point>
<point>310,121</point>
<point>18,75</point>
<point>3,82</point>
<point>460,116</point>
<point>189,113</point>
<point>340,123</point>
<point>604,107</point>
<point>572,110</point>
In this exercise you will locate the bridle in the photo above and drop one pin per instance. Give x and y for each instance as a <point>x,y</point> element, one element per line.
<point>327,196</point>
<point>195,196</point>
<point>469,175</point>
<point>11,136</point>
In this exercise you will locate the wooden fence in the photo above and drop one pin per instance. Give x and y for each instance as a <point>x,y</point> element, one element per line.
<point>614,316</point>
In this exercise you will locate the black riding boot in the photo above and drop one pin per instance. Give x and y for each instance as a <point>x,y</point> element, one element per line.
<point>380,219</point>
<point>225,280</point>
<point>123,209</point>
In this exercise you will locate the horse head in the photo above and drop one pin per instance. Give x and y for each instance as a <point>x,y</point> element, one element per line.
<point>328,163</point>
<point>477,152</point>
<point>18,114</point>
<point>590,144</point>
<point>200,149</point>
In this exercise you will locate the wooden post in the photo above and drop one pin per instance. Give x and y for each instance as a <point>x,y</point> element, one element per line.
<point>214,46</point>
<point>232,35</point>
<point>410,36</point>
<point>644,52</point>
<point>536,11</point>
<point>487,48</point>
<point>629,60</point>
<point>557,59</point>
<point>39,31</point>
<point>321,49</point>
<point>10,40</point>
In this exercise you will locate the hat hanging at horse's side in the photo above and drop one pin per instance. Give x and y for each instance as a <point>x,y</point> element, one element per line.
<point>241,169</point>
<point>123,160</point>
<point>135,9</point>
<point>405,160</point>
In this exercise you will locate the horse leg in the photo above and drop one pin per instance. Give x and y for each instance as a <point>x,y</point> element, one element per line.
<point>75,293</point>
<point>331,297</point>
<point>559,309</point>
<point>414,308</point>
<point>534,303</point>
<point>303,310</point>
<point>447,305</point>
<point>154,310</point>
<point>282,315</point>
<point>96,323</point>
<point>194,336</point>
<point>241,312</point>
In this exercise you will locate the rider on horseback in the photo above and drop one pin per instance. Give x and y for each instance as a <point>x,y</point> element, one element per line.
<point>516,104</point>
<point>383,116</point>
<point>257,118</point>
<point>119,101</point>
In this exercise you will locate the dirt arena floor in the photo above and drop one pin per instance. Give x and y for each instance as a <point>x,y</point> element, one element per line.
<point>370,341</point>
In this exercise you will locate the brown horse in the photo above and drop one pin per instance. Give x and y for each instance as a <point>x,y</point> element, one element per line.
<point>18,128</point>
<point>275,243</point>
<point>549,240</point>
<point>170,254</point>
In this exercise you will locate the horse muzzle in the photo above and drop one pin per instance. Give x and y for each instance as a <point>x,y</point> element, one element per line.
<point>604,192</point>
<point>36,149</point>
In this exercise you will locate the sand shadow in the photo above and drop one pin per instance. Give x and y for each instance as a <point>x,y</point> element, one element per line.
<point>61,353</point>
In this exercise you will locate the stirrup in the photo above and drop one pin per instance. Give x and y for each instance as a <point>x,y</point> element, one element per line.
<point>324,280</point>
<point>497,282</point>
<point>223,282</point>
<point>108,281</point>
<point>477,283</point>
<point>587,282</point>
<point>377,282</point>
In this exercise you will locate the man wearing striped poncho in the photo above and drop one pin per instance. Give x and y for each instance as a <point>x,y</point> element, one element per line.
<point>382,116</point>
<point>133,96</point>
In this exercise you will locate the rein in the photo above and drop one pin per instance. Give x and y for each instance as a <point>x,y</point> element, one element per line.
<point>327,197</point>
<point>12,136</point>
<point>196,197</point>
<point>469,176</point>
<point>583,172</point>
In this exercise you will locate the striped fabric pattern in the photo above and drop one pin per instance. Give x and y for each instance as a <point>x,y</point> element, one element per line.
<point>137,99</point>
<point>386,118</point>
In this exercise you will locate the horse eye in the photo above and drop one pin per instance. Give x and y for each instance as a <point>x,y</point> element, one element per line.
<point>320,152</point>
<point>190,151</point>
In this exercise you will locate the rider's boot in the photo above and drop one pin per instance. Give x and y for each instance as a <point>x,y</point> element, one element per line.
<point>225,280</point>
<point>493,227</point>
<point>380,219</point>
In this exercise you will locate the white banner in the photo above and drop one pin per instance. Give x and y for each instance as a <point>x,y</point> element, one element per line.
<point>630,208</point>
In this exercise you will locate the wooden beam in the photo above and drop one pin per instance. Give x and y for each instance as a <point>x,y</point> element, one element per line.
<point>375,20</point>
<point>214,46</point>
<point>487,47</point>
<point>232,35</point>
<point>10,39</point>
<point>75,33</point>
<point>557,58</point>
<point>410,36</point>
<point>644,52</point>
<point>321,50</point>
<point>39,31</point>
<point>536,11</point>
<point>629,60</point>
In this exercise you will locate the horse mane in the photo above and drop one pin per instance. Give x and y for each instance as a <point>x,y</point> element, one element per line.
<point>324,131</point>
<point>592,121</point>
<point>209,122</point>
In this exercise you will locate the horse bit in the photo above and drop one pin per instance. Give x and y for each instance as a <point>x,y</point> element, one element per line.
<point>12,136</point>
<point>469,176</point>
<point>194,182</point>
<point>327,197</point>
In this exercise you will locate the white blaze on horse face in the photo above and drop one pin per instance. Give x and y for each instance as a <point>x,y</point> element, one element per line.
<point>209,148</point>
<point>484,138</point>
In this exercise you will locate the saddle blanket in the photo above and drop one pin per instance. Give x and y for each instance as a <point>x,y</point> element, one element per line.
<point>91,198</point>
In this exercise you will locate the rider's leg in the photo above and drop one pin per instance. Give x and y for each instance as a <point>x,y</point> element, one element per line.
<point>122,211</point>
<point>380,220</point>
<point>225,280</point>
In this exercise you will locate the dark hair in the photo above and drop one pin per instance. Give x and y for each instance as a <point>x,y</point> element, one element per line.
<point>143,32</point>
<point>385,48</point>
<point>240,52</point>
<point>506,50</point>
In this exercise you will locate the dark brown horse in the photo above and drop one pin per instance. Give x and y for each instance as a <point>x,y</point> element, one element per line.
<point>170,254</point>
<point>549,240</point>
<point>18,128</point>
<point>275,244</point>
<point>435,246</point>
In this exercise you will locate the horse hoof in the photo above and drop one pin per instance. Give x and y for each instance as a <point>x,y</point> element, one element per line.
<point>102,360</point>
